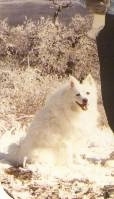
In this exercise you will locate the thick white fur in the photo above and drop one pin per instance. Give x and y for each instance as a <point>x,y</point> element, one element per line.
<point>61,120</point>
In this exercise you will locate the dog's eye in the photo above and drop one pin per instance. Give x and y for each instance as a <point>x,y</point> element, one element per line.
<point>78,94</point>
<point>88,93</point>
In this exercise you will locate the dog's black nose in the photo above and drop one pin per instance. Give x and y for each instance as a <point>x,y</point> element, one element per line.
<point>85,100</point>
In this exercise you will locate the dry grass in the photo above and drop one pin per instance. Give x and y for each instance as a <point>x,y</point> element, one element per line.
<point>23,91</point>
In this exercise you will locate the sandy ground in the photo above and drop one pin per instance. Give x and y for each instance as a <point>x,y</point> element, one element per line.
<point>98,24</point>
<point>99,20</point>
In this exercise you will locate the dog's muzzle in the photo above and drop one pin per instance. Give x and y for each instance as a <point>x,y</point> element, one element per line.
<point>84,104</point>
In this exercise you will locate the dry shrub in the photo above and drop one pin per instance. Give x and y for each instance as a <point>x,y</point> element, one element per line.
<point>51,49</point>
<point>23,92</point>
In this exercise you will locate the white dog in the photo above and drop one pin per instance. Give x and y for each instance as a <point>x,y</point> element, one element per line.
<point>69,112</point>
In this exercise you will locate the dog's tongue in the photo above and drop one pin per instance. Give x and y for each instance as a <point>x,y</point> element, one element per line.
<point>84,107</point>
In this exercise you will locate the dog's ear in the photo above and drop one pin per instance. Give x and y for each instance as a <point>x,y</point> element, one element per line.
<point>73,81</point>
<point>89,80</point>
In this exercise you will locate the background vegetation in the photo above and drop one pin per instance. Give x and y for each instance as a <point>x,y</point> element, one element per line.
<point>36,56</point>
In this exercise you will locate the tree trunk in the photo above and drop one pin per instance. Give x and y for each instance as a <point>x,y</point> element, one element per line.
<point>105,44</point>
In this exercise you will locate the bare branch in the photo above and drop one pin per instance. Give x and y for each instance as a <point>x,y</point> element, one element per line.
<point>59,7</point>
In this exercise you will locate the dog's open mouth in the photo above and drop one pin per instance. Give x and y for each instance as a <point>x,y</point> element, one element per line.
<point>83,106</point>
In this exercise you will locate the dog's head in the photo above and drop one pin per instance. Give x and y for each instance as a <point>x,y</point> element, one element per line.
<point>83,94</point>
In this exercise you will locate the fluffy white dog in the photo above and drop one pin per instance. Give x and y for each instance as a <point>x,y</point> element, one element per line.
<point>70,112</point>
